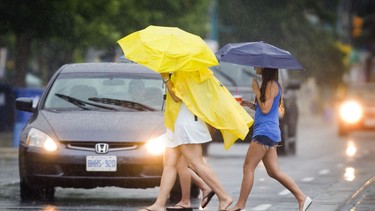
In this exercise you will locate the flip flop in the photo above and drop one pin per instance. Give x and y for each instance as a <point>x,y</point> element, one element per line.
<point>178,207</point>
<point>208,198</point>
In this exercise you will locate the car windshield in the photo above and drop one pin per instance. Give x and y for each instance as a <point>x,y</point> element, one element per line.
<point>138,91</point>
<point>232,75</point>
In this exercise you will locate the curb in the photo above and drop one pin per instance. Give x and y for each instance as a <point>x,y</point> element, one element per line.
<point>8,152</point>
<point>353,200</point>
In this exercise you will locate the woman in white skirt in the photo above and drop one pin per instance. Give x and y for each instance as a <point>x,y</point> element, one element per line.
<point>186,140</point>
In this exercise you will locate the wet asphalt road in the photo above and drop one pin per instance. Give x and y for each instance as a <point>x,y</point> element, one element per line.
<point>337,173</point>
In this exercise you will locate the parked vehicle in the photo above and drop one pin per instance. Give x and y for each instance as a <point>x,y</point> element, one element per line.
<point>96,125</point>
<point>237,79</point>
<point>357,109</point>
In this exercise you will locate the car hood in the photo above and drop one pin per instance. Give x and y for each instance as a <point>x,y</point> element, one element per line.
<point>105,126</point>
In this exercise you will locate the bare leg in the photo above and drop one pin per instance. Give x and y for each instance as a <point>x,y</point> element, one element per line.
<point>270,161</point>
<point>200,183</point>
<point>171,157</point>
<point>254,155</point>
<point>185,182</point>
<point>193,156</point>
<point>206,190</point>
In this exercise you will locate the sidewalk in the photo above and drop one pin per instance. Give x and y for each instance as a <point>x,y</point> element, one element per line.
<point>6,139</point>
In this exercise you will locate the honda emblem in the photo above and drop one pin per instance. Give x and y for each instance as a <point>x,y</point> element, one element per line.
<point>101,148</point>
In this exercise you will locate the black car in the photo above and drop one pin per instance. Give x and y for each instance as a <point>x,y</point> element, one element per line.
<point>96,125</point>
<point>237,79</point>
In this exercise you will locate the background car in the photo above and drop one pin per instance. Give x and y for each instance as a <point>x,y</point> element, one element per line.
<point>237,79</point>
<point>96,125</point>
<point>357,109</point>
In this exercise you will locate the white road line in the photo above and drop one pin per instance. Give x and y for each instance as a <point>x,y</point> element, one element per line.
<point>308,179</point>
<point>262,207</point>
<point>284,192</point>
<point>324,172</point>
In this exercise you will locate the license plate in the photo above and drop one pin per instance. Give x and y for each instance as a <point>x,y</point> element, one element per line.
<point>101,163</point>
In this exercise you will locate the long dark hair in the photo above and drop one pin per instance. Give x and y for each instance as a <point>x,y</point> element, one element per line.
<point>268,74</point>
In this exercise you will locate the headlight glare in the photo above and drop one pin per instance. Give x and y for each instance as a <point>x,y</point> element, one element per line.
<point>37,138</point>
<point>351,112</point>
<point>156,146</point>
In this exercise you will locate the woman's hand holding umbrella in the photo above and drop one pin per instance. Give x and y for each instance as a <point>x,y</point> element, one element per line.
<point>165,76</point>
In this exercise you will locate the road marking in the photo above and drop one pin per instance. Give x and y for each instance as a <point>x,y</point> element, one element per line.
<point>262,207</point>
<point>308,179</point>
<point>324,171</point>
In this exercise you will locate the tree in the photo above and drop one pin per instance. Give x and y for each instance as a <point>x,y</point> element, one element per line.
<point>285,24</point>
<point>61,31</point>
<point>27,20</point>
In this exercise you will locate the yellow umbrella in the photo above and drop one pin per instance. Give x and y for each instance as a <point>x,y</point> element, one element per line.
<point>167,49</point>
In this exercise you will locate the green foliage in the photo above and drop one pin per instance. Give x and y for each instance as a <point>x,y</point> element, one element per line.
<point>189,15</point>
<point>285,24</point>
<point>60,31</point>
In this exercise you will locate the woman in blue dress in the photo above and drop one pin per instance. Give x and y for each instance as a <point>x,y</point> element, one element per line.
<point>266,136</point>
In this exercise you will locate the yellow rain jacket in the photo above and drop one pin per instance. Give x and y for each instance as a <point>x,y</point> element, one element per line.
<point>210,101</point>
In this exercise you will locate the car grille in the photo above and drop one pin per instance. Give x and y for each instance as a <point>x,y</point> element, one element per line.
<point>122,171</point>
<point>90,146</point>
<point>79,170</point>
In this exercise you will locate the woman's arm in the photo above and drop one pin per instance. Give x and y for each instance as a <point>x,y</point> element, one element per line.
<point>248,104</point>
<point>170,86</point>
<point>270,93</point>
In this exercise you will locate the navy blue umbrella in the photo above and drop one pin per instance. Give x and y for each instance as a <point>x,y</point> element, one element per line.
<point>258,54</point>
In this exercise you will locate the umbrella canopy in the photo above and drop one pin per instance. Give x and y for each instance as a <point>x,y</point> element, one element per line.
<point>167,49</point>
<point>258,54</point>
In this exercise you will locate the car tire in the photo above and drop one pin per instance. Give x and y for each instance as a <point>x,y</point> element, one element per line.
<point>28,192</point>
<point>284,148</point>
<point>292,147</point>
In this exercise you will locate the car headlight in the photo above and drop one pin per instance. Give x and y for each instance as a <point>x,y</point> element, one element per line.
<point>351,111</point>
<point>156,146</point>
<point>36,138</point>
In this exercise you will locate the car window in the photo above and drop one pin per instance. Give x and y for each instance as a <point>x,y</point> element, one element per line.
<point>232,75</point>
<point>137,88</point>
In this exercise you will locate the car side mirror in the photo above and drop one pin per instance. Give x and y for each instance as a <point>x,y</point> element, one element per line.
<point>24,104</point>
<point>294,85</point>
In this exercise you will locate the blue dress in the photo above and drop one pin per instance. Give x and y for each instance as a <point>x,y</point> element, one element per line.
<point>268,124</point>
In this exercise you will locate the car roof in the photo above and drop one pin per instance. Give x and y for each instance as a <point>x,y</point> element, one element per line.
<point>106,67</point>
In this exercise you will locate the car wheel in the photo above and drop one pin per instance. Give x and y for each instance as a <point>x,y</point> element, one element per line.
<point>28,192</point>
<point>292,147</point>
<point>284,148</point>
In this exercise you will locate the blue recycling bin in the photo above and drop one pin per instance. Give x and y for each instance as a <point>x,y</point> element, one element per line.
<point>22,117</point>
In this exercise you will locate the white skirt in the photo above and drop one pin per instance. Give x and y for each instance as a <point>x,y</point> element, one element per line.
<point>188,129</point>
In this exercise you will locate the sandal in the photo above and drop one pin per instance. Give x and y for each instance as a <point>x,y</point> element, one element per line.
<point>207,199</point>
<point>178,207</point>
